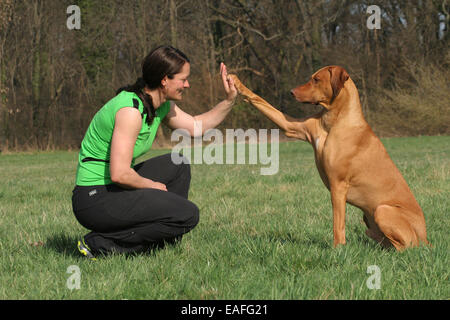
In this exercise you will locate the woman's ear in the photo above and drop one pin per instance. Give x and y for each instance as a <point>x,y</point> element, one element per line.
<point>164,81</point>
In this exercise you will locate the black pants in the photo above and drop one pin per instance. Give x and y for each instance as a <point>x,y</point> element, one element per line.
<point>128,221</point>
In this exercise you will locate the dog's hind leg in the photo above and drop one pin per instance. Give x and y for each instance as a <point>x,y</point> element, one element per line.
<point>375,233</point>
<point>392,223</point>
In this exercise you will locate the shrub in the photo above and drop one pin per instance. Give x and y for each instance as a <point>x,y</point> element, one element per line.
<point>418,104</point>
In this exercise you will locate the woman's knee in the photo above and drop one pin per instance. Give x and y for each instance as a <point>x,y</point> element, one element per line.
<point>182,163</point>
<point>192,216</point>
<point>185,220</point>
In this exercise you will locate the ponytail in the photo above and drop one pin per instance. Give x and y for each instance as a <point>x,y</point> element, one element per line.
<point>138,89</point>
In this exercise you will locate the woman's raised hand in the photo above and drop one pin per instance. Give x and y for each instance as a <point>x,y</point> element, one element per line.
<point>228,83</point>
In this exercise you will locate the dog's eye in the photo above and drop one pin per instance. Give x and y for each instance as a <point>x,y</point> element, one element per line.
<point>315,80</point>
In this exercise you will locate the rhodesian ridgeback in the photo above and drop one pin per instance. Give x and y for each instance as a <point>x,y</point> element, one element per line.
<point>351,160</point>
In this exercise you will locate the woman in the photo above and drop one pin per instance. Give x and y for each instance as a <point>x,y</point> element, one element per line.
<point>131,208</point>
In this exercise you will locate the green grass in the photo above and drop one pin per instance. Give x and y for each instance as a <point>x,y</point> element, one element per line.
<point>259,237</point>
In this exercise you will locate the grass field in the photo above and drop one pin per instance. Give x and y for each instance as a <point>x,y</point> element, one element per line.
<point>259,237</point>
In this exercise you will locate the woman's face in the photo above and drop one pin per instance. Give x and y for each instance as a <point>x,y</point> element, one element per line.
<point>173,88</point>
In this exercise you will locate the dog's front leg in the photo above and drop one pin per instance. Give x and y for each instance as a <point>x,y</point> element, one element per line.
<point>338,200</point>
<point>302,129</point>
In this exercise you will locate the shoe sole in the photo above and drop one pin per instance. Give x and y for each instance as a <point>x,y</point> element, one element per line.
<point>84,251</point>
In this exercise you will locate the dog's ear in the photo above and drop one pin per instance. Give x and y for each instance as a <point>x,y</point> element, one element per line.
<point>338,76</point>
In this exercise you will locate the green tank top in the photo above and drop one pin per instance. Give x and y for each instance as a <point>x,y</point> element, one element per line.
<point>93,159</point>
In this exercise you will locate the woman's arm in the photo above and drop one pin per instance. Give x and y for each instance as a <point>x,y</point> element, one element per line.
<point>128,123</point>
<point>197,125</point>
<point>178,119</point>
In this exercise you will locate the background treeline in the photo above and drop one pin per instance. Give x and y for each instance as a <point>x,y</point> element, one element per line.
<point>53,80</point>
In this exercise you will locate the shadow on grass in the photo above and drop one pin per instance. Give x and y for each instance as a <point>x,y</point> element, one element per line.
<point>317,241</point>
<point>310,239</point>
<point>63,244</point>
<point>288,237</point>
<point>281,237</point>
<point>67,245</point>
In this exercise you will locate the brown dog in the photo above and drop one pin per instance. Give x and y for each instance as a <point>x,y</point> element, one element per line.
<point>351,160</point>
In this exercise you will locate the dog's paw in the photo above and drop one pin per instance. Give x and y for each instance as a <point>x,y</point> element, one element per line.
<point>237,83</point>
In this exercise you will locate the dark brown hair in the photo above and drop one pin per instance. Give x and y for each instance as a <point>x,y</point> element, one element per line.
<point>160,62</point>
